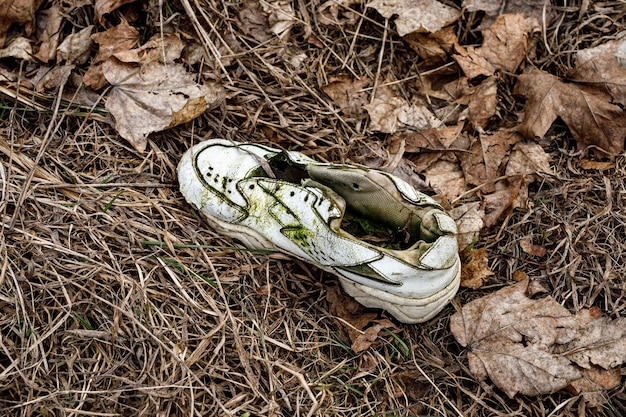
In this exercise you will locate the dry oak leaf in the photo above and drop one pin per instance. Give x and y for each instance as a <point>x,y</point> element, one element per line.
<point>416,15</point>
<point>505,44</point>
<point>604,65</point>
<point>21,12</point>
<point>119,38</point>
<point>154,97</point>
<point>530,346</point>
<point>589,115</point>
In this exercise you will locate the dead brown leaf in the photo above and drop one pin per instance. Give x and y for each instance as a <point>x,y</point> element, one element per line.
<point>154,97</point>
<point>56,77</point>
<point>253,22</point>
<point>481,103</point>
<point>103,7</point>
<point>532,249</point>
<point>76,48</point>
<point>487,154</point>
<point>119,38</point>
<point>446,178</point>
<point>20,12</point>
<point>509,194</point>
<point>535,346</point>
<point>433,48</point>
<point>19,48</point>
<point>430,140</point>
<point>390,113</point>
<point>604,66</point>
<point>504,47</point>
<point>361,327</point>
<point>469,221</point>
<point>474,268</point>
<point>536,9</point>
<point>280,15</point>
<point>597,165</point>
<point>590,117</point>
<point>337,12</point>
<point>163,49</point>
<point>528,158</point>
<point>49,22</point>
<point>347,93</point>
<point>416,15</point>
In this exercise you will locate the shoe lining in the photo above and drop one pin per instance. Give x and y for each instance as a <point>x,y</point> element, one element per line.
<point>374,231</point>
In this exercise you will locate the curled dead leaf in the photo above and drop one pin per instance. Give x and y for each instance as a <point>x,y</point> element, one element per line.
<point>531,249</point>
<point>280,16</point>
<point>253,22</point>
<point>433,48</point>
<point>474,268</point>
<point>337,12</point>
<point>19,48</point>
<point>487,153</point>
<point>51,20</point>
<point>539,10</point>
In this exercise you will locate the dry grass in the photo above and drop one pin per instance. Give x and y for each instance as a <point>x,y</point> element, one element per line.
<point>116,298</point>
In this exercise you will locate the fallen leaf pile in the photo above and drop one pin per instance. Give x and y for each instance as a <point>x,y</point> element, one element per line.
<point>535,346</point>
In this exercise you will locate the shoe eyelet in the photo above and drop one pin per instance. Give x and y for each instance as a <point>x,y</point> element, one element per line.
<point>251,186</point>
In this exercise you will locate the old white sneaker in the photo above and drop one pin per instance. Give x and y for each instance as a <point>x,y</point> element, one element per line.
<point>391,246</point>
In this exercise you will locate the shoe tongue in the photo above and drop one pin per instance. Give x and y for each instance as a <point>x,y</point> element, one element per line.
<point>369,193</point>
